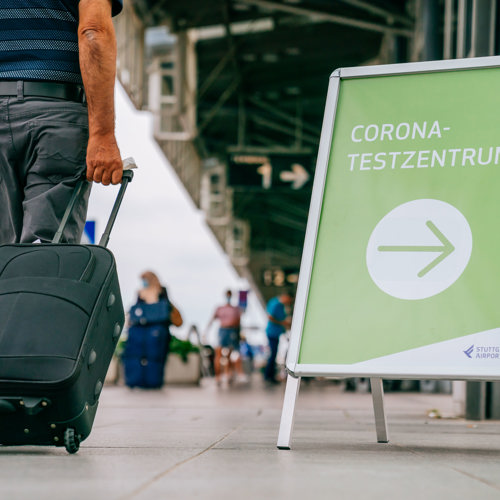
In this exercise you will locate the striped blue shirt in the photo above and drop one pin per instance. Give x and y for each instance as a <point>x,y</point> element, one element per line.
<point>39,40</point>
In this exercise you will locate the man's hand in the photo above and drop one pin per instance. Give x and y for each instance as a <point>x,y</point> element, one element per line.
<point>104,163</point>
<point>97,50</point>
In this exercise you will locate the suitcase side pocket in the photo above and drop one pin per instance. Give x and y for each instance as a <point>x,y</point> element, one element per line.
<point>44,345</point>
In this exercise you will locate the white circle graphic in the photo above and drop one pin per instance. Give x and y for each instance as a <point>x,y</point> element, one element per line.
<point>419,249</point>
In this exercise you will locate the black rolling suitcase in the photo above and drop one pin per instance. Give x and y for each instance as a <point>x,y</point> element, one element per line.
<point>61,315</point>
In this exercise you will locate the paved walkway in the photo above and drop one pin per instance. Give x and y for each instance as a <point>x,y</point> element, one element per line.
<point>220,443</point>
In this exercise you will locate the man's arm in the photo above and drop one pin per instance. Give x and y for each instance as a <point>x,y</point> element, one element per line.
<point>97,46</point>
<point>286,323</point>
<point>276,314</point>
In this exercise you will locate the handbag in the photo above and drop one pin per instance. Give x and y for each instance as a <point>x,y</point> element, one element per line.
<point>147,314</point>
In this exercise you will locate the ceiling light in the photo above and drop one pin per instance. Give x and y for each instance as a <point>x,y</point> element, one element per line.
<point>241,6</point>
<point>249,57</point>
<point>270,57</point>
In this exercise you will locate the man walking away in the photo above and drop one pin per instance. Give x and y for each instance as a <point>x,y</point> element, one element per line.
<point>57,76</point>
<point>279,321</point>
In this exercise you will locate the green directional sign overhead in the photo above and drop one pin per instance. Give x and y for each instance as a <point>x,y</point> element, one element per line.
<point>401,267</point>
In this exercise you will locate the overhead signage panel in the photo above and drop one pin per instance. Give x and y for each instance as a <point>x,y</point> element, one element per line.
<point>270,171</point>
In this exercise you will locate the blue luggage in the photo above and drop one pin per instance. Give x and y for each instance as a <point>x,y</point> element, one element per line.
<point>147,345</point>
<point>147,314</point>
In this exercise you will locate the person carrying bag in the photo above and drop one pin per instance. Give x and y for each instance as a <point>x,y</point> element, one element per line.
<point>149,336</point>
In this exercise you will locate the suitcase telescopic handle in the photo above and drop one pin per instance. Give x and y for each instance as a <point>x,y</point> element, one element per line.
<point>128,175</point>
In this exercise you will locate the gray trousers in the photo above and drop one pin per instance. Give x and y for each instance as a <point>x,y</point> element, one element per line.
<point>43,144</point>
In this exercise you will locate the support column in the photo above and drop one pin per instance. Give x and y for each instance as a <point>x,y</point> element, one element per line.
<point>483,398</point>
<point>483,28</point>
<point>432,48</point>
<point>427,42</point>
<point>475,404</point>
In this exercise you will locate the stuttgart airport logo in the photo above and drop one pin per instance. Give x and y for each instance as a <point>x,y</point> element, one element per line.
<point>468,352</point>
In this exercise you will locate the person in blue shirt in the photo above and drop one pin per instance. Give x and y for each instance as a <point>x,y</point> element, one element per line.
<point>57,77</point>
<point>279,321</point>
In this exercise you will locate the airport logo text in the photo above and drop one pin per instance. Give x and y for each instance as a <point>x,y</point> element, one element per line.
<point>482,352</point>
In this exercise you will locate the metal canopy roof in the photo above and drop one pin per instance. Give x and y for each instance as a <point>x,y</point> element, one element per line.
<point>274,54</point>
<point>263,69</point>
<point>381,15</point>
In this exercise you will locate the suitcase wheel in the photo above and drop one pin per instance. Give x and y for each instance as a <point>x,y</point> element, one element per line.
<point>71,440</point>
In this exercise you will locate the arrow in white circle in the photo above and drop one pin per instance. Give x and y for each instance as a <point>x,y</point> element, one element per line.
<point>298,176</point>
<point>445,249</point>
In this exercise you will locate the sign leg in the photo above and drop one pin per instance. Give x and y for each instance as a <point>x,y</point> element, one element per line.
<point>379,410</point>
<point>288,412</point>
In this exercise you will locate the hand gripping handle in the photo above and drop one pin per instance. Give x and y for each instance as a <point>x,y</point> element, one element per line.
<point>128,175</point>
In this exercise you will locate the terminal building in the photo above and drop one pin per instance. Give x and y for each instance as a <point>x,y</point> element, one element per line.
<point>237,89</point>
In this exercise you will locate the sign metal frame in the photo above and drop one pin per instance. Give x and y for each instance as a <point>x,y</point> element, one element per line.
<point>294,368</point>
<point>292,364</point>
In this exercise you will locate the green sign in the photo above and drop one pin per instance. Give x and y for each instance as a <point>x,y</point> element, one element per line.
<point>401,267</point>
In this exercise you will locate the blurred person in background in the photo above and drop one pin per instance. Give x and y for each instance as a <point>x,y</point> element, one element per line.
<point>227,352</point>
<point>279,314</point>
<point>152,292</point>
<point>149,336</point>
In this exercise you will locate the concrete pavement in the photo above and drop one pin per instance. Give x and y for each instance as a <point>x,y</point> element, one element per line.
<point>220,443</point>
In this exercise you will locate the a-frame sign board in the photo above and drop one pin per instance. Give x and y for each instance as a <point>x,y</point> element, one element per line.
<point>400,274</point>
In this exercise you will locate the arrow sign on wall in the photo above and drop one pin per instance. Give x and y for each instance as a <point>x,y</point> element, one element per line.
<point>266,170</point>
<point>444,250</point>
<point>298,176</point>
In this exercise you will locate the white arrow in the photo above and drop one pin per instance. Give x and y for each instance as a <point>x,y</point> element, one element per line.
<point>298,175</point>
<point>266,170</point>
